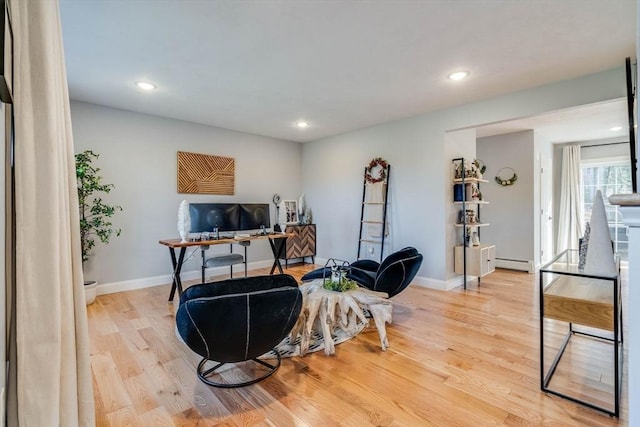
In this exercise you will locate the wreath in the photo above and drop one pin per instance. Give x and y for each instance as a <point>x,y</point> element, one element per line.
<point>506,181</point>
<point>382,174</point>
<point>480,165</point>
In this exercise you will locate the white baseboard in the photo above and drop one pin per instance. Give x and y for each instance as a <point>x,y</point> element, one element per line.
<point>440,285</point>
<point>321,261</point>
<point>512,264</point>
<point>146,282</point>
<point>425,282</point>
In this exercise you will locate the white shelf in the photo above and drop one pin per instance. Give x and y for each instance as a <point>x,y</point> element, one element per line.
<point>472,202</point>
<point>371,241</point>
<point>469,180</point>
<point>479,224</point>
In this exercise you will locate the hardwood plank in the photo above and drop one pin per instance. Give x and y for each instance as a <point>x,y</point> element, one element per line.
<point>166,390</point>
<point>203,397</point>
<point>456,358</point>
<point>141,394</point>
<point>158,417</point>
<point>112,392</point>
<point>116,346</point>
<point>123,417</point>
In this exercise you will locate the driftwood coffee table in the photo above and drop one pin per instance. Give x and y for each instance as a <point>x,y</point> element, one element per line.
<point>339,314</point>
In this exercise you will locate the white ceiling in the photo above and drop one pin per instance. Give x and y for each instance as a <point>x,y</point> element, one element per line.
<point>584,123</point>
<point>259,66</point>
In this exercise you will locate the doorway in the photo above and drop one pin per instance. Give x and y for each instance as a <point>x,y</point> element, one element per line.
<point>538,168</point>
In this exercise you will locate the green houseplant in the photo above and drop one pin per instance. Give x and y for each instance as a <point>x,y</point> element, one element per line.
<point>95,214</point>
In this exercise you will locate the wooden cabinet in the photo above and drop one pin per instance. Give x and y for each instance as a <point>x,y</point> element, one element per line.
<point>480,260</point>
<point>303,244</point>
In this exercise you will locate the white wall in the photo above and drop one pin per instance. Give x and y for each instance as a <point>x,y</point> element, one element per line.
<point>333,176</point>
<point>415,147</point>
<point>138,154</point>
<point>510,211</point>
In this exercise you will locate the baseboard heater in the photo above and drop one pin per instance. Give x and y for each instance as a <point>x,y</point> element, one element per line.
<point>515,264</point>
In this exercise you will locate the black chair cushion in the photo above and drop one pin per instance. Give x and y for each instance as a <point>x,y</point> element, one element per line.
<point>318,273</point>
<point>366,264</point>
<point>403,253</point>
<point>397,271</point>
<point>363,277</point>
<point>238,319</point>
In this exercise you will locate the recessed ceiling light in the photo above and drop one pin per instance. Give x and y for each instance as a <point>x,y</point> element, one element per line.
<point>458,75</point>
<point>302,124</point>
<point>615,128</point>
<point>145,85</point>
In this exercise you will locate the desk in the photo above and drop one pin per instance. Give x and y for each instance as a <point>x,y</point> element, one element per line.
<point>174,244</point>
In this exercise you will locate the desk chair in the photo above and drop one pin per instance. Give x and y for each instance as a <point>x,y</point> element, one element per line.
<point>229,259</point>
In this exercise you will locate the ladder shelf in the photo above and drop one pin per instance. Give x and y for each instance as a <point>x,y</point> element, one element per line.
<point>373,214</point>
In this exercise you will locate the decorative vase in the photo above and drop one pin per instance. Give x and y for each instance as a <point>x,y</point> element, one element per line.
<point>475,240</point>
<point>184,220</point>
<point>90,291</point>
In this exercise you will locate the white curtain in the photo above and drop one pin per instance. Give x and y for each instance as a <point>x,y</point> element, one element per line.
<point>571,219</point>
<point>54,386</point>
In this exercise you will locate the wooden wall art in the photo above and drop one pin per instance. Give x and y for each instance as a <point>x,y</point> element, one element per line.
<point>205,174</point>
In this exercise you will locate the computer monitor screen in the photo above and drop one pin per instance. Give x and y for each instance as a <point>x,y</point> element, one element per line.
<point>254,215</point>
<point>206,216</point>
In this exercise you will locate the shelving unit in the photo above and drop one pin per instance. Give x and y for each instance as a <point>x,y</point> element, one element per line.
<point>569,295</point>
<point>470,260</point>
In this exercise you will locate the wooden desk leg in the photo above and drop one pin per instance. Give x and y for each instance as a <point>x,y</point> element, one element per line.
<point>277,253</point>
<point>177,266</point>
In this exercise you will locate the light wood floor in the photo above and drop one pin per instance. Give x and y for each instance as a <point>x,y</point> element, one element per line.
<point>455,359</point>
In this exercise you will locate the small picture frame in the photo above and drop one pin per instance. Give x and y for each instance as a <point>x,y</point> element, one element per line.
<point>289,211</point>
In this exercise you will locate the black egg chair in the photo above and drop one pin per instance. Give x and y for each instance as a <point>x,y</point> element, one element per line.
<point>238,320</point>
<point>392,276</point>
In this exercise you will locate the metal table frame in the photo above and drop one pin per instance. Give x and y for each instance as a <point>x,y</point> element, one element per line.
<point>176,263</point>
<point>617,340</point>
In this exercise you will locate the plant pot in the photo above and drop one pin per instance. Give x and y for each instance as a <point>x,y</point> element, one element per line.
<point>90,289</point>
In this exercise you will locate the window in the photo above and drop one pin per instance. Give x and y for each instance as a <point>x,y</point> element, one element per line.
<point>611,176</point>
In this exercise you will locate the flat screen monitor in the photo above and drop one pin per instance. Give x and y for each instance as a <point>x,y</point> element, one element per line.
<point>206,216</point>
<point>254,215</point>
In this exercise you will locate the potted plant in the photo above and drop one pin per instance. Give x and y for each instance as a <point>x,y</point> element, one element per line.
<point>95,214</point>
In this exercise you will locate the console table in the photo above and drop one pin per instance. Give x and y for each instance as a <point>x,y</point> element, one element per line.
<point>569,295</point>
<point>176,262</point>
